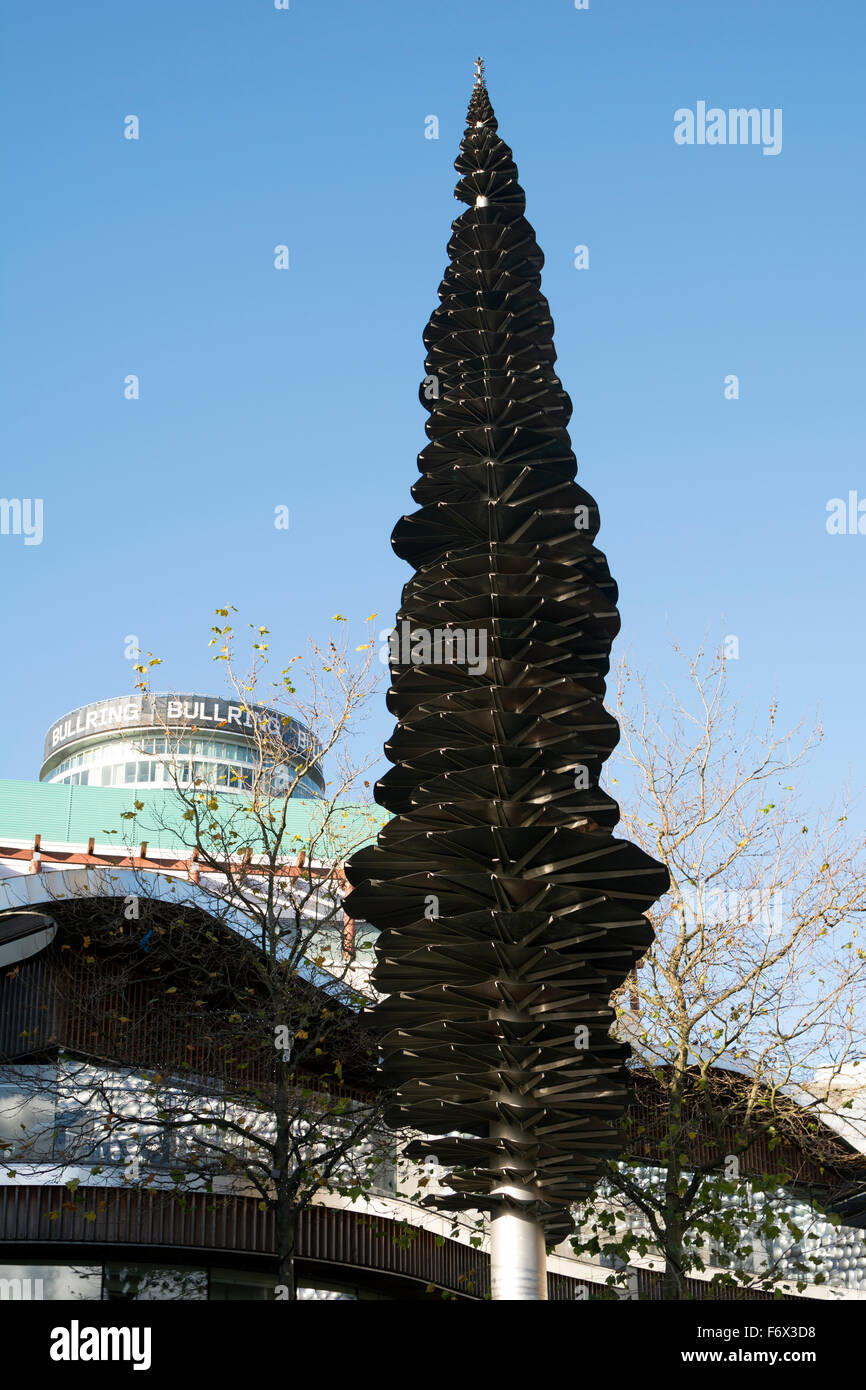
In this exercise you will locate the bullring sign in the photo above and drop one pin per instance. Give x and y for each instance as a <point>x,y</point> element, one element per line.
<point>176,713</point>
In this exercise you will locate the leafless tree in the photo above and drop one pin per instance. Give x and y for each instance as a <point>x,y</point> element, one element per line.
<point>750,1003</point>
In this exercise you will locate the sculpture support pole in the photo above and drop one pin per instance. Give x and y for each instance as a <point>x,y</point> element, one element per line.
<point>518,1265</point>
<point>518,1259</point>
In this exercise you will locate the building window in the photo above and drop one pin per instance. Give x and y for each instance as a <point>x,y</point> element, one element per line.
<point>54,1282</point>
<point>137,1283</point>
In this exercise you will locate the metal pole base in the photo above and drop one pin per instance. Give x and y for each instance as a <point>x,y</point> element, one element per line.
<point>518,1262</point>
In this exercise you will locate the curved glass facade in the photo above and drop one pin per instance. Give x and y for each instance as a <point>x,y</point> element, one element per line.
<point>83,754</point>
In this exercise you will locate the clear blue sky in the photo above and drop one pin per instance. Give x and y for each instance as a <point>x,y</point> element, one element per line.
<point>261,387</point>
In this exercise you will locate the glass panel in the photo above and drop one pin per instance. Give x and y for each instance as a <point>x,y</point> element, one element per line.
<point>33,1281</point>
<point>240,1284</point>
<point>332,1293</point>
<point>138,1283</point>
<point>27,1123</point>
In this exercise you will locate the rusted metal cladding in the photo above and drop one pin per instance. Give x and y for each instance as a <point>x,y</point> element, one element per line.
<point>508,911</point>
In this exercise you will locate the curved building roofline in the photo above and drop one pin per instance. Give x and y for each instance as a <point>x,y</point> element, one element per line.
<point>25,892</point>
<point>114,716</point>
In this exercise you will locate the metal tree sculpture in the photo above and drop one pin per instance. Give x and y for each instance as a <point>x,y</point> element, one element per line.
<point>508,912</point>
